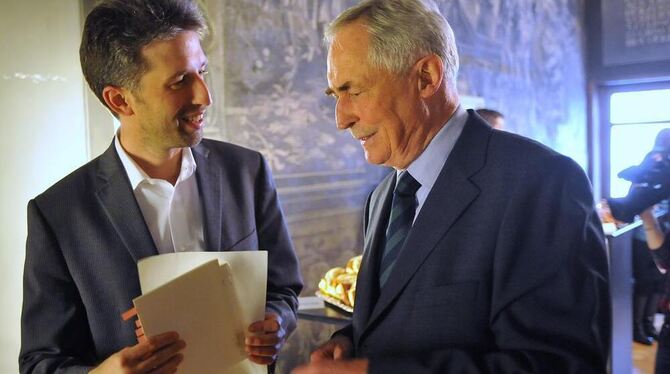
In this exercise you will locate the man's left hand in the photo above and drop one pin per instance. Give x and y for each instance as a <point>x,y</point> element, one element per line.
<point>267,338</point>
<point>359,366</point>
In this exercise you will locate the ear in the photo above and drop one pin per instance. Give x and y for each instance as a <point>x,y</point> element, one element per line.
<point>117,100</point>
<point>431,73</point>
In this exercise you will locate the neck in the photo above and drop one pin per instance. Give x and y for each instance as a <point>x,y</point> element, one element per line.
<point>166,168</point>
<point>158,164</point>
<point>436,112</point>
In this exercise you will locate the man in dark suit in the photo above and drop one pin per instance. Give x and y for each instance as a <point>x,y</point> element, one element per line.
<point>483,252</point>
<point>159,188</point>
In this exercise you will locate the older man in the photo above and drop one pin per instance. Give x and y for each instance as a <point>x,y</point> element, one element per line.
<point>483,251</point>
<point>159,188</point>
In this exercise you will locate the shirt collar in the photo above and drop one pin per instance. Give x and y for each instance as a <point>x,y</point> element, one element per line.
<point>188,165</point>
<point>426,168</point>
<point>135,173</point>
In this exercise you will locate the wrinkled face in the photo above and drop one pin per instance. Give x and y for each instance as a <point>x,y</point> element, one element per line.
<point>172,96</point>
<point>380,109</point>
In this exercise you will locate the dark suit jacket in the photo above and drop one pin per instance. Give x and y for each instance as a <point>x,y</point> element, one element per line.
<point>503,271</point>
<point>86,234</point>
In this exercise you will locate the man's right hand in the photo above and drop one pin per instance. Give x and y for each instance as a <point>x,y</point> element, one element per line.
<point>158,354</point>
<point>338,348</point>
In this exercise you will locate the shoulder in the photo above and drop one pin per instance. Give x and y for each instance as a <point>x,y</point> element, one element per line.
<point>517,153</point>
<point>514,144</point>
<point>76,185</point>
<point>478,138</point>
<point>227,153</point>
<point>484,151</point>
<point>513,164</point>
<point>232,162</point>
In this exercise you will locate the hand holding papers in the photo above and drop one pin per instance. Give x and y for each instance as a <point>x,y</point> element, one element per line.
<point>209,298</point>
<point>269,335</point>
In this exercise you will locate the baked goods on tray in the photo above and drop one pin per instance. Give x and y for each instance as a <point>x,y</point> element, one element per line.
<point>338,285</point>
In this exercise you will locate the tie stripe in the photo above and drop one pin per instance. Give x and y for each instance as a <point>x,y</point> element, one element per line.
<point>403,207</point>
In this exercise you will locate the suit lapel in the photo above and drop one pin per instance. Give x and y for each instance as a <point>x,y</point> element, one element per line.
<point>451,195</point>
<point>367,285</point>
<point>221,191</point>
<point>209,176</point>
<point>118,202</point>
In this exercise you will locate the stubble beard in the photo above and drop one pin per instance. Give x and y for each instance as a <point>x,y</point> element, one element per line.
<point>190,139</point>
<point>171,137</point>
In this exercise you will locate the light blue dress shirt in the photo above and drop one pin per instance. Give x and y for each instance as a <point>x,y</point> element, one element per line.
<point>426,168</point>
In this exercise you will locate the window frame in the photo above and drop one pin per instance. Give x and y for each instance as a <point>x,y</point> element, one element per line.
<point>601,142</point>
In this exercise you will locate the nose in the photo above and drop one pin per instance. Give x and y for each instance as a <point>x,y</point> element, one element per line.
<point>344,114</point>
<point>201,94</point>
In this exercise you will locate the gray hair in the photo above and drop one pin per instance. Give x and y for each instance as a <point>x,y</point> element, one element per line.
<point>402,31</point>
<point>116,31</point>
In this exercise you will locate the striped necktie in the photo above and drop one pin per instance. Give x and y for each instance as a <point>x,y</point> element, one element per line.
<point>400,222</point>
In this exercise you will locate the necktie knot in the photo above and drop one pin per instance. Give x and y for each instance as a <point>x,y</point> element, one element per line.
<point>407,185</point>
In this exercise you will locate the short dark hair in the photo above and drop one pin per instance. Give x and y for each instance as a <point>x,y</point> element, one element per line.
<point>116,31</point>
<point>489,114</point>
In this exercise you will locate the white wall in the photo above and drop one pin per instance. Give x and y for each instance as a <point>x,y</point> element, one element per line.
<point>43,132</point>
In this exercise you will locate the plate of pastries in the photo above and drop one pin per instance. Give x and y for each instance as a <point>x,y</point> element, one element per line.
<point>338,285</point>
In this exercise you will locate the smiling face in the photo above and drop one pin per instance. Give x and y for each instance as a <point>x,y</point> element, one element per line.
<point>382,110</point>
<point>169,103</point>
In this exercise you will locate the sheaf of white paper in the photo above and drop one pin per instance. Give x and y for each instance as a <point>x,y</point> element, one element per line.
<point>200,305</point>
<point>248,272</point>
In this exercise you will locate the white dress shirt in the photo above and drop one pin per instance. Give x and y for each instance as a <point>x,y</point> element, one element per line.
<point>173,214</point>
<point>427,167</point>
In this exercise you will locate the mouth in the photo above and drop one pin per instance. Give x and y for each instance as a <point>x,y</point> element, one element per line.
<point>364,139</point>
<point>195,121</point>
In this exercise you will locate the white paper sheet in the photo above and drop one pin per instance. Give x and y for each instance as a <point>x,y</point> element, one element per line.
<point>175,297</point>
<point>249,271</point>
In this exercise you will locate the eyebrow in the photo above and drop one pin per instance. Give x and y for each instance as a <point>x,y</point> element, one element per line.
<point>204,65</point>
<point>342,88</point>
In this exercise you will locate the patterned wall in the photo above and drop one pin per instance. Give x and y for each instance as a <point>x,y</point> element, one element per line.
<point>527,59</point>
<point>267,69</point>
<point>523,57</point>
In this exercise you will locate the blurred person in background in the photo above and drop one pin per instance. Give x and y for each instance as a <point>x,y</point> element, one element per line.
<point>658,244</point>
<point>493,117</point>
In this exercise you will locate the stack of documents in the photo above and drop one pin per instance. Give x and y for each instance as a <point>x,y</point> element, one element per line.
<point>210,299</point>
